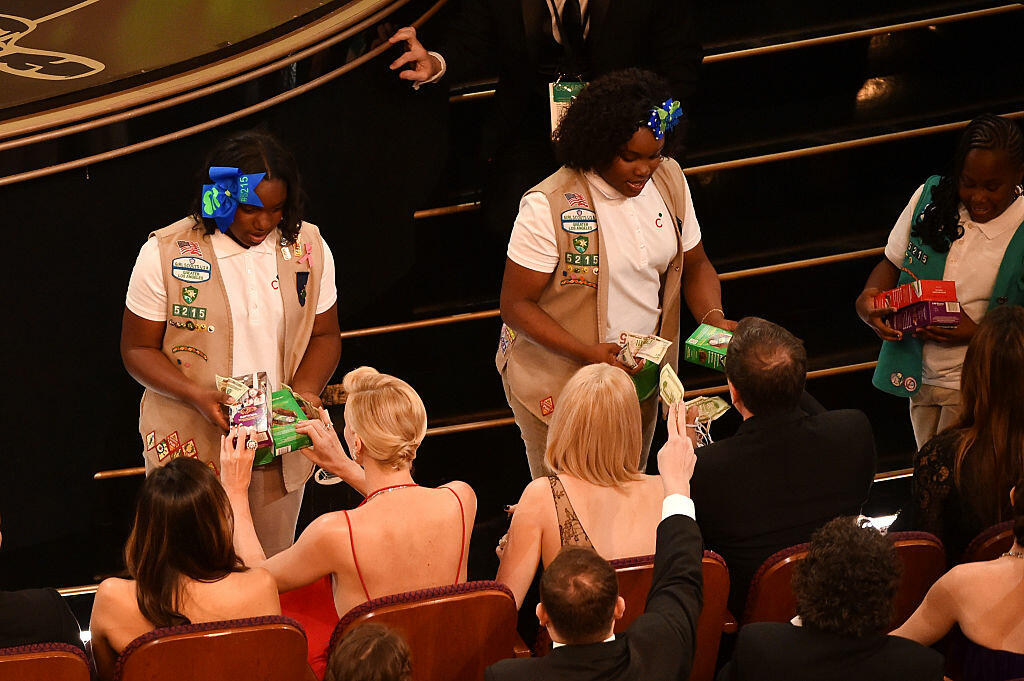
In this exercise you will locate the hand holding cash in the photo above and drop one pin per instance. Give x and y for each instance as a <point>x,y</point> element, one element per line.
<point>706,408</point>
<point>636,347</point>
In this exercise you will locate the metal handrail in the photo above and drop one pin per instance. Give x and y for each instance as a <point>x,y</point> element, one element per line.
<point>812,42</point>
<point>508,420</point>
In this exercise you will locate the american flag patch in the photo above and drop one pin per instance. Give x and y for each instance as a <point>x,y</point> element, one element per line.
<point>575,200</point>
<point>189,248</point>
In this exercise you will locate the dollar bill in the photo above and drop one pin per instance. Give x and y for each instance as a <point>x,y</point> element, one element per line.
<point>626,357</point>
<point>671,386</point>
<point>708,408</point>
<point>232,386</point>
<point>653,348</point>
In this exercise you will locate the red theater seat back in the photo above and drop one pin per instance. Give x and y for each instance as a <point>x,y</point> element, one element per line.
<point>44,662</point>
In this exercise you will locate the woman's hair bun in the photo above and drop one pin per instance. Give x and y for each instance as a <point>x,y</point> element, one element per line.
<point>363,378</point>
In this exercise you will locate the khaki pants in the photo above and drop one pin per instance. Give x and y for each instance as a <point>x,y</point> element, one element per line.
<point>275,511</point>
<point>932,410</point>
<point>535,432</point>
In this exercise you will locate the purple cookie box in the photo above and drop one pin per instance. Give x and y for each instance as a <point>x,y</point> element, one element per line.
<point>926,313</point>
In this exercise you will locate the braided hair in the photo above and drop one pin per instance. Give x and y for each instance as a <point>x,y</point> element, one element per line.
<point>939,225</point>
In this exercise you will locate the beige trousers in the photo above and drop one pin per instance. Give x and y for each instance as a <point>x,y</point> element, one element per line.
<point>932,410</point>
<point>275,511</point>
<point>535,432</point>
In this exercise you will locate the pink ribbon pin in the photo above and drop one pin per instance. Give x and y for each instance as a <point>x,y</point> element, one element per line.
<point>308,257</point>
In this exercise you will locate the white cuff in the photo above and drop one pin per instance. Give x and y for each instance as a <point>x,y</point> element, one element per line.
<point>678,504</point>
<point>437,76</point>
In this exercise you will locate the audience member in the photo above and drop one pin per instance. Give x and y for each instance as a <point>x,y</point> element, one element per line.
<point>401,538</point>
<point>791,466</point>
<point>182,564</point>
<point>844,601</point>
<point>579,599</point>
<point>606,246</point>
<point>963,475</point>
<point>985,601</point>
<point>370,652</point>
<point>36,616</point>
<point>960,227</point>
<point>529,45</point>
<point>598,499</point>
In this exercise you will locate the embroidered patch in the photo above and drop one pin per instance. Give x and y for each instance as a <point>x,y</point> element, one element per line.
<point>189,294</point>
<point>188,348</point>
<point>914,251</point>
<point>301,279</point>
<point>162,452</point>
<point>187,311</point>
<point>547,405</point>
<point>578,282</point>
<point>577,200</point>
<point>150,440</point>
<point>190,269</point>
<point>189,248</point>
<point>896,378</point>
<point>583,260</point>
<point>579,221</point>
<point>213,468</point>
<point>308,257</point>
<point>507,336</point>
<point>910,383</point>
<point>172,441</point>
<point>190,450</point>
<point>581,244</point>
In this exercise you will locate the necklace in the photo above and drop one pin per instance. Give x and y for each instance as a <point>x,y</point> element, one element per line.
<point>1013,554</point>
<point>390,488</point>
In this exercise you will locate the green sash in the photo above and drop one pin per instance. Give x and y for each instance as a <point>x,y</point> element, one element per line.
<point>899,362</point>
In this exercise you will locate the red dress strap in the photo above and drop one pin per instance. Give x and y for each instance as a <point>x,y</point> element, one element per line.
<point>462,546</point>
<point>352,543</point>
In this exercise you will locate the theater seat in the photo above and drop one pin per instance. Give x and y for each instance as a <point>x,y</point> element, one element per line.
<point>271,648</point>
<point>990,543</point>
<point>454,632</point>
<point>44,662</point>
<point>771,597</point>
<point>635,576</point>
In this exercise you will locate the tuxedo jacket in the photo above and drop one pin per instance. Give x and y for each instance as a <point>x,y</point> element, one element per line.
<point>657,646</point>
<point>776,481</point>
<point>508,37</point>
<point>767,651</point>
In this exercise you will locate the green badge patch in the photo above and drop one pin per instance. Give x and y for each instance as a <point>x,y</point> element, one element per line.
<point>581,243</point>
<point>187,311</point>
<point>587,260</point>
<point>189,294</point>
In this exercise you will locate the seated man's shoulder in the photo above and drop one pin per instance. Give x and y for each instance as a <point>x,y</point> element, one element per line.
<point>527,668</point>
<point>849,420</point>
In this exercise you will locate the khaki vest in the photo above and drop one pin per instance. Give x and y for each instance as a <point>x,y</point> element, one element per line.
<point>198,339</point>
<point>576,295</point>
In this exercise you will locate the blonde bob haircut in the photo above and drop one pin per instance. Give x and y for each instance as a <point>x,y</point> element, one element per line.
<point>387,414</point>
<point>595,432</point>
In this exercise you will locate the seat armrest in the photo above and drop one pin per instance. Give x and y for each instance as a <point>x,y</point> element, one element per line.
<point>730,625</point>
<point>519,647</point>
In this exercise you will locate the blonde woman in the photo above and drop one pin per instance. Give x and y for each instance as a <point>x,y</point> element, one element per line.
<point>597,498</point>
<point>402,537</point>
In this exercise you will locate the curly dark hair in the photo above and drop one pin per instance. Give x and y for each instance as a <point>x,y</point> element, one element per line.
<point>847,583</point>
<point>605,115</point>
<point>255,151</point>
<point>939,225</point>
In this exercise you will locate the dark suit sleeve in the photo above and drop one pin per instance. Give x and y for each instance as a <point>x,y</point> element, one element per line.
<point>472,43</point>
<point>676,596</point>
<point>676,50</point>
<point>65,625</point>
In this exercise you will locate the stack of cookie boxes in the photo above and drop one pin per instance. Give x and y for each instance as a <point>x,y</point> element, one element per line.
<point>921,303</point>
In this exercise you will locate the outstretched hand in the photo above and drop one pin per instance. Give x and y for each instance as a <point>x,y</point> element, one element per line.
<point>676,458</point>
<point>237,451</point>
<point>425,65</point>
<point>327,451</point>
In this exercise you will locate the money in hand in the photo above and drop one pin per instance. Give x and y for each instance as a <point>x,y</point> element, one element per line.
<point>233,387</point>
<point>649,347</point>
<point>626,357</point>
<point>671,386</point>
<point>708,408</point>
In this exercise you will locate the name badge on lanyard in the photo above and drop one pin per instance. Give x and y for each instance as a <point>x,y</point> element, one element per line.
<point>560,96</point>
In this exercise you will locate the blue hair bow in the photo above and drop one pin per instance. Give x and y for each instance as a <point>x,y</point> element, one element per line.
<point>229,188</point>
<point>665,117</point>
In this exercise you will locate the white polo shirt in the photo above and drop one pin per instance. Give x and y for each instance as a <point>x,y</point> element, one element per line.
<point>973,263</point>
<point>639,244</point>
<point>250,279</point>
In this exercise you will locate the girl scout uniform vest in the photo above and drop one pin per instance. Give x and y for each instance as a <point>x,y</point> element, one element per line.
<point>577,296</point>
<point>899,362</point>
<point>198,338</point>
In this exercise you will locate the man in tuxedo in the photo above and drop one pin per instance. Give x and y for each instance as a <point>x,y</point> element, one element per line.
<point>531,43</point>
<point>579,599</point>
<point>791,466</point>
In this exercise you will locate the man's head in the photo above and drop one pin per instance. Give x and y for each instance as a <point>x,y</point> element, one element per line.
<point>766,367</point>
<point>579,597</point>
